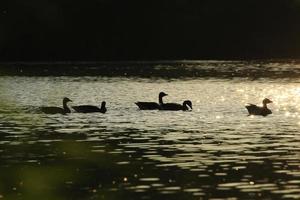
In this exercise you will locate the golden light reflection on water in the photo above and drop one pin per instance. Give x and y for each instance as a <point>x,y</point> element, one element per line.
<point>285,97</point>
<point>217,144</point>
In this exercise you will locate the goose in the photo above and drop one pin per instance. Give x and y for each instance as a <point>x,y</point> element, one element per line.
<point>152,105</point>
<point>175,106</point>
<point>257,110</point>
<point>90,108</point>
<point>57,110</point>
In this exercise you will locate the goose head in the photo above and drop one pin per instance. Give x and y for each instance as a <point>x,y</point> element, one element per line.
<point>66,100</point>
<point>266,101</point>
<point>103,104</point>
<point>162,94</point>
<point>189,103</point>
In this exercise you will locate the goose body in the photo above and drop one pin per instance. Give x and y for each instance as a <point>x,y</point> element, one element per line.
<point>151,105</point>
<point>57,110</point>
<point>90,108</point>
<point>175,106</point>
<point>148,105</point>
<point>258,110</point>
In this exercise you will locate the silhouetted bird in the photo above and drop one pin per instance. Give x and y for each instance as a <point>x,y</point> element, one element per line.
<point>90,108</point>
<point>175,106</point>
<point>257,110</point>
<point>152,105</point>
<point>57,110</point>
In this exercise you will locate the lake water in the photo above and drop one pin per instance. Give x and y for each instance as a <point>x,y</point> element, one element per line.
<point>216,151</point>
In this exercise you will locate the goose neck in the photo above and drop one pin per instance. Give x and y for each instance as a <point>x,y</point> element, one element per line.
<point>66,108</point>
<point>160,100</point>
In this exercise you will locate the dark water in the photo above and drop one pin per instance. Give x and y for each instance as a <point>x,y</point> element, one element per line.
<point>214,152</point>
<point>161,69</point>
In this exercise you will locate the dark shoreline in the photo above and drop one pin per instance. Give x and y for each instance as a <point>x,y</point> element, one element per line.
<point>169,69</point>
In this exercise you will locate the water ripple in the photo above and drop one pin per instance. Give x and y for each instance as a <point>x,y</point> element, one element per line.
<point>214,152</point>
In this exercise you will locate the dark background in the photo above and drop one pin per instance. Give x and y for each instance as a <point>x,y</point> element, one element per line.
<point>114,30</point>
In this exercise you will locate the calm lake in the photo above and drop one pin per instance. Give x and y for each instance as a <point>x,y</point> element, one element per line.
<point>215,151</point>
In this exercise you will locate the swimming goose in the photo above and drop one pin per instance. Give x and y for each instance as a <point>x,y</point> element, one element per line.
<point>57,110</point>
<point>175,106</point>
<point>90,108</point>
<point>152,105</point>
<point>257,110</point>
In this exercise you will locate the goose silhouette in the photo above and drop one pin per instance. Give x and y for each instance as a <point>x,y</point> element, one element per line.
<point>57,110</point>
<point>90,108</point>
<point>258,110</point>
<point>152,105</point>
<point>175,106</point>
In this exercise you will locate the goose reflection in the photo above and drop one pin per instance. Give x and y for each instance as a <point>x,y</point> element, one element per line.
<point>90,108</point>
<point>57,110</point>
<point>258,110</point>
<point>152,105</point>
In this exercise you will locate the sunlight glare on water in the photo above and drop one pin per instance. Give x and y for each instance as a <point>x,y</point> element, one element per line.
<point>215,151</point>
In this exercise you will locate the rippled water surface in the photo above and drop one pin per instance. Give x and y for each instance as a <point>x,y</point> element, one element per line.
<point>214,152</point>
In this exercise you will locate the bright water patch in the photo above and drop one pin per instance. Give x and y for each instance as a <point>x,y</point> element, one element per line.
<point>215,151</point>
